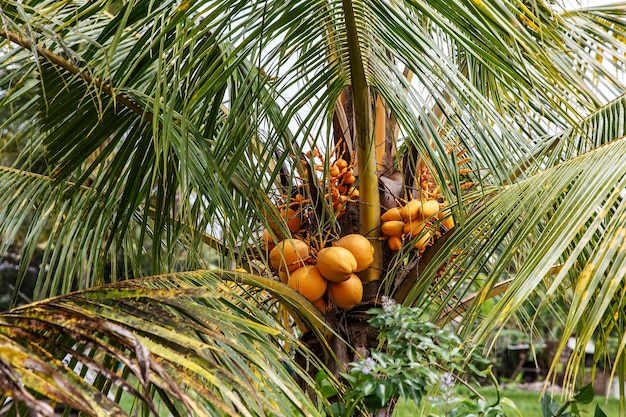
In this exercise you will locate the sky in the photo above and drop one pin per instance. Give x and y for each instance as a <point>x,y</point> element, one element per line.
<point>589,3</point>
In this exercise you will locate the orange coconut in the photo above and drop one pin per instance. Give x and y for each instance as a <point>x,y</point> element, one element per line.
<point>392,228</point>
<point>341,163</point>
<point>413,228</point>
<point>392,214</point>
<point>290,217</point>
<point>349,179</point>
<point>283,276</point>
<point>267,242</point>
<point>412,210</point>
<point>361,249</point>
<point>423,242</point>
<point>309,282</point>
<point>429,208</point>
<point>348,293</point>
<point>394,243</point>
<point>294,221</point>
<point>289,254</point>
<point>321,305</point>
<point>448,220</point>
<point>336,263</point>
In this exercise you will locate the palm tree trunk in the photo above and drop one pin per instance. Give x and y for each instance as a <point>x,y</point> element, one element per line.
<point>369,214</point>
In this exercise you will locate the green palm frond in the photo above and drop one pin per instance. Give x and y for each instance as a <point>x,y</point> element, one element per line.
<point>559,217</point>
<point>156,67</point>
<point>183,344</point>
<point>599,128</point>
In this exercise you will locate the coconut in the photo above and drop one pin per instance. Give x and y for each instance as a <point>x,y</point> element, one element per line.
<point>309,282</point>
<point>411,210</point>
<point>336,263</point>
<point>289,254</point>
<point>429,208</point>
<point>283,276</point>
<point>446,218</point>
<point>348,293</point>
<point>290,217</point>
<point>394,243</point>
<point>321,305</point>
<point>392,228</point>
<point>392,214</point>
<point>423,242</point>
<point>361,249</point>
<point>267,242</point>
<point>413,228</point>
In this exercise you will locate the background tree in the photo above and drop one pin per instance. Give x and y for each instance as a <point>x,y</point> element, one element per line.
<point>166,136</point>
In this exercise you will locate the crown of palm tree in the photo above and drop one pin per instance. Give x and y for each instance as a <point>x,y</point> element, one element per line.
<point>157,137</point>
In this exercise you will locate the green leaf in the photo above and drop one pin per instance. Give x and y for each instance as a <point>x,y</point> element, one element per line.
<point>598,412</point>
<point>324,385</point>
<point>144,340</point>
<point>337,409</point>
<point>585,395</point>
<point>510,404</point>
<point>548,406</point>
<point>368,387</point>
<point>384,392</point>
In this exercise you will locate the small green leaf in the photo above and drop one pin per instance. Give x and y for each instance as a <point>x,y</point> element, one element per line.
<point>548,406</point>
<point>598,412</point>
<point>337,409</point>
<point>509,403</point>
<point>585,395</point>
<point>324,385</point>
<point>384,392</point>
<point>368,387</point>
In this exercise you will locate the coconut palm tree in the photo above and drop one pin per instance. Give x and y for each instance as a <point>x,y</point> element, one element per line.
<point>160,141</point>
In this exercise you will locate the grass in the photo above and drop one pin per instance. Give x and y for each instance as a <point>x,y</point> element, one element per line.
<point>527,402</point>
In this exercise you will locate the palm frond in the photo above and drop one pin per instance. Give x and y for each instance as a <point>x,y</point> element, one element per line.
<point>558,217</point>
<point>202,76</point>
<point>181,343</point>
<point>599,128</point>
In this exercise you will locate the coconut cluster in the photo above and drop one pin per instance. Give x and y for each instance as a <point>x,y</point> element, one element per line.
<point>339,180</point>
<point>327,278</point>
<point>414,220</point>
<point>418,222</point>
<point>294,211</point>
